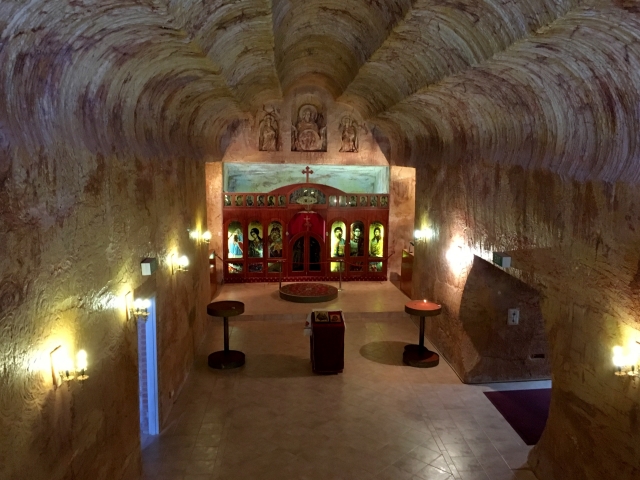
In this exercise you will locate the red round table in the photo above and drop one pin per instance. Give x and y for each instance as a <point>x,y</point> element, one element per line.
<point>225,358</point>
<point>419,355</point>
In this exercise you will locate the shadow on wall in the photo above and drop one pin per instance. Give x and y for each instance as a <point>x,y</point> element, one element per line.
<point>500,352</point>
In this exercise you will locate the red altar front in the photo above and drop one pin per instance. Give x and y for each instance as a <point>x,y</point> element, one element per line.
<point>305,231</point>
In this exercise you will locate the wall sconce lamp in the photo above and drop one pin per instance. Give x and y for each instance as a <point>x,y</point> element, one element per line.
<point>627,362</point>
<point>204,237</point>
<point>179,264</point>
<point>63,369</point>
<point>140,309</point>
<point>425,234</point>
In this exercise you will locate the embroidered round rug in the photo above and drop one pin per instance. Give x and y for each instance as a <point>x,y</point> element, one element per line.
<point>304,292</point>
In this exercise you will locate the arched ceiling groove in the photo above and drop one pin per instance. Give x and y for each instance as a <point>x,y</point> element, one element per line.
<point>441,38</point>
<point>548,84</point>
<point>325,42</point>
<point>238,36</point>
<point>109,76</point>
<point>565,100</point>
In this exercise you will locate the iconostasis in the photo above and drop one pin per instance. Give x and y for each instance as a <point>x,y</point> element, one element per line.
<point>305,231</point>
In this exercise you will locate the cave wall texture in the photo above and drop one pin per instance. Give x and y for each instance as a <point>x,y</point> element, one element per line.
<point>521,120</point>
<point>576,244</point>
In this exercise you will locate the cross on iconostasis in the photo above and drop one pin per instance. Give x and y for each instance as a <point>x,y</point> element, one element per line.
<point>307,171</point>
<point>307,222</point>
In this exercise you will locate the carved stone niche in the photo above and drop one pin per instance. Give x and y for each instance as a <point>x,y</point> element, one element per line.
<point>349,134</point>
<point>309,131</point>
<point>269,134</point>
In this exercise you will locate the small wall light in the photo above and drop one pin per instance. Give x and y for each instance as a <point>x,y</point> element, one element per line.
<point>425,234</point>
<point>179,264</point>
<point>62,368</point>
<point>627,361</point>
<point>206,237</point>
<point>81,365</point>
<point>194,234</point>
<point>140,309</point>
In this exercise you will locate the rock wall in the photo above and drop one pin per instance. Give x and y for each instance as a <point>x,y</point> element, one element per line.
<point>402,204</point>
<point>574,243</point>
<point>74,227</point>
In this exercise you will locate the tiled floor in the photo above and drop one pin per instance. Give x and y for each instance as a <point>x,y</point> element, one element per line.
<point>275,419</point>
<point>264,299</point>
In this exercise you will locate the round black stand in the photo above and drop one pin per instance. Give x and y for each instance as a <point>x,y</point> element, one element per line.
<point>419,355</point>
<point>226,358</point>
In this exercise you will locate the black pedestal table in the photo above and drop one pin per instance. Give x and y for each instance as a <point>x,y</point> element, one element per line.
<point>225,358</point>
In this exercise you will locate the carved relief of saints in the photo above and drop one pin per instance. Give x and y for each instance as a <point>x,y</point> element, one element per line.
<point>309,134</point>
<point>268,141</point>
<point>349,132</point>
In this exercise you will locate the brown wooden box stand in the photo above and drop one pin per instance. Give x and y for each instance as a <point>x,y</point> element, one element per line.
<point>327,344</point>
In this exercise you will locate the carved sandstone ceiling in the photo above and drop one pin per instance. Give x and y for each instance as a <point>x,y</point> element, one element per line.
<point>551,84</point>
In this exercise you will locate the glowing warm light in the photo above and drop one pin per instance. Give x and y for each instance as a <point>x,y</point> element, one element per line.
<point>81,365</point>
<point>142,303</point>
<point>61,365</point>
<point>179,263</point>
<point>81,360</point>
<point>619,359</point>
<point>634,353</point>
<point>206,236</point>
<point>427,233</point>
<point>194,234</point>
<point>459,256</point>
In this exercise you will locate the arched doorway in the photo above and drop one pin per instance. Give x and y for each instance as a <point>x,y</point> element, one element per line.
<point>306,244</point>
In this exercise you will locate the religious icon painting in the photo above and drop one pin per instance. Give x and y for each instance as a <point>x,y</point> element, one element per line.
<point>275,240</point>
<point>234,240</point>
<point>356,267</point>
<point>239,200</point>
<point>234,268</point>
<point>338,230</point>
<point>384,201</point>
<point>255,240</point>
<point>375,266</point>
<point>363,201</point>
<point>376,239</point>
<point>271,201</point>
<point>261,200</point>
<point>373,201</point>
<point>227,200</point>
<point>274,267</point>
<point>336,267</point>
<point>352,201</point>
<point>356,243</point>
<point>282,201</point>
<point>342,201</point>
<point>249,200</point>
<point>333,200</point>
<point>255,268</point>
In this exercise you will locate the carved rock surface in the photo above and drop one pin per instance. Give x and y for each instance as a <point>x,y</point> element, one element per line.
<point>521,118</point>
<point>576,245</point>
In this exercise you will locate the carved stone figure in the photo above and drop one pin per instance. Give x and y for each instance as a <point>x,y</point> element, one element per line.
<point>349,131</point>
<point>309,134</point>
<point>268,141</point>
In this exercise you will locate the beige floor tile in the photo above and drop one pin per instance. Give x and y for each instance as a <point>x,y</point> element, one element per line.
<point>275,419</point>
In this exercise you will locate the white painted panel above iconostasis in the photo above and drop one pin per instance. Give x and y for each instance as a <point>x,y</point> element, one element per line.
<point>265,177</point>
